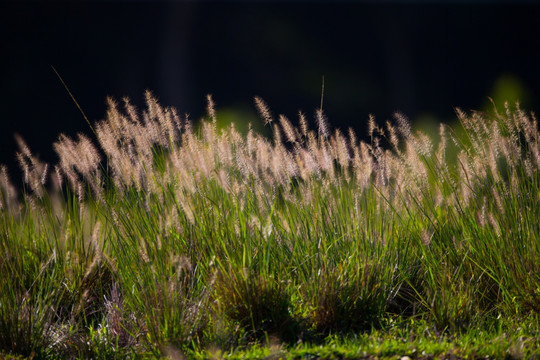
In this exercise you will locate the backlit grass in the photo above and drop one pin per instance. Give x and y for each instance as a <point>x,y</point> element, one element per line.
<point>155,239</point>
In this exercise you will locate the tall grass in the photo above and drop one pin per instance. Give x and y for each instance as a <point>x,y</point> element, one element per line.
<point>160,235</point>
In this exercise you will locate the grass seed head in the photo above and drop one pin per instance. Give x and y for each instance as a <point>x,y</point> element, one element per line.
<point>322,123</point>
<point>264,111</point>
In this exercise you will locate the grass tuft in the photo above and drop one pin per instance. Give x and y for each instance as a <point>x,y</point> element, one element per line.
<point>160,238</point>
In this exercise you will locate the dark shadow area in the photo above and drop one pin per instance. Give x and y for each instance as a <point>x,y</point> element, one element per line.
<point>417,58</point>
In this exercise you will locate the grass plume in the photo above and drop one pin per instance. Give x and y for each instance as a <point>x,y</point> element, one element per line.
<point>159,235</point>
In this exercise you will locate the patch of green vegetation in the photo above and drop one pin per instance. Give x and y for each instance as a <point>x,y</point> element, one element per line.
<point>168,240</point>
<point>399,340</point>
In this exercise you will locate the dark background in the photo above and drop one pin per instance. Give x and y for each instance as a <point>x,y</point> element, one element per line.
<point>420,58</point>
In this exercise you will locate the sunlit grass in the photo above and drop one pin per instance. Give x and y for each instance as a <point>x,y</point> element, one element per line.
<point>163,238</point>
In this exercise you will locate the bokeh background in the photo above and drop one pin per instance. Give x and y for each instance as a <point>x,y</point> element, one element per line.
<point>422,58</point>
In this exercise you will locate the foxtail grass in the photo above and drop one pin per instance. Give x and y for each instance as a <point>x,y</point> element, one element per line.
<point>159,236</point>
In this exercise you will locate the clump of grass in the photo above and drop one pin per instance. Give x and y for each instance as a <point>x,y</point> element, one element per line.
<point>259,305</point>
<point>158,235</point>
<point>352,299</point>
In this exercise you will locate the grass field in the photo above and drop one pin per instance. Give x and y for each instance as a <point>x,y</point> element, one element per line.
<point>163,238</point>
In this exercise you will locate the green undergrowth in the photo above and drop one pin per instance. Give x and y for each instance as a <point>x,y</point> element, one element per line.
<point>169,240</point>
<point>398,341</point>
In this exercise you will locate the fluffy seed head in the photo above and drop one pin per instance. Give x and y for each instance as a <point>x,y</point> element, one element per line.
<point>372,125</point>
<point>303,123</point>
<point>211,108</point>
<point>322,123</point>
<point>288,129</point>
<point>264,112</point>
<point>403,125</point>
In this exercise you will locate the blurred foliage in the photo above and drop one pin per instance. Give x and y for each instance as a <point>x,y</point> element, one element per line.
<point>242,118</point>
<point>507,88</point>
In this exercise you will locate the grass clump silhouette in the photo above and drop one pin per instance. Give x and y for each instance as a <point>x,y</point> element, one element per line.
<point>159,236</point>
